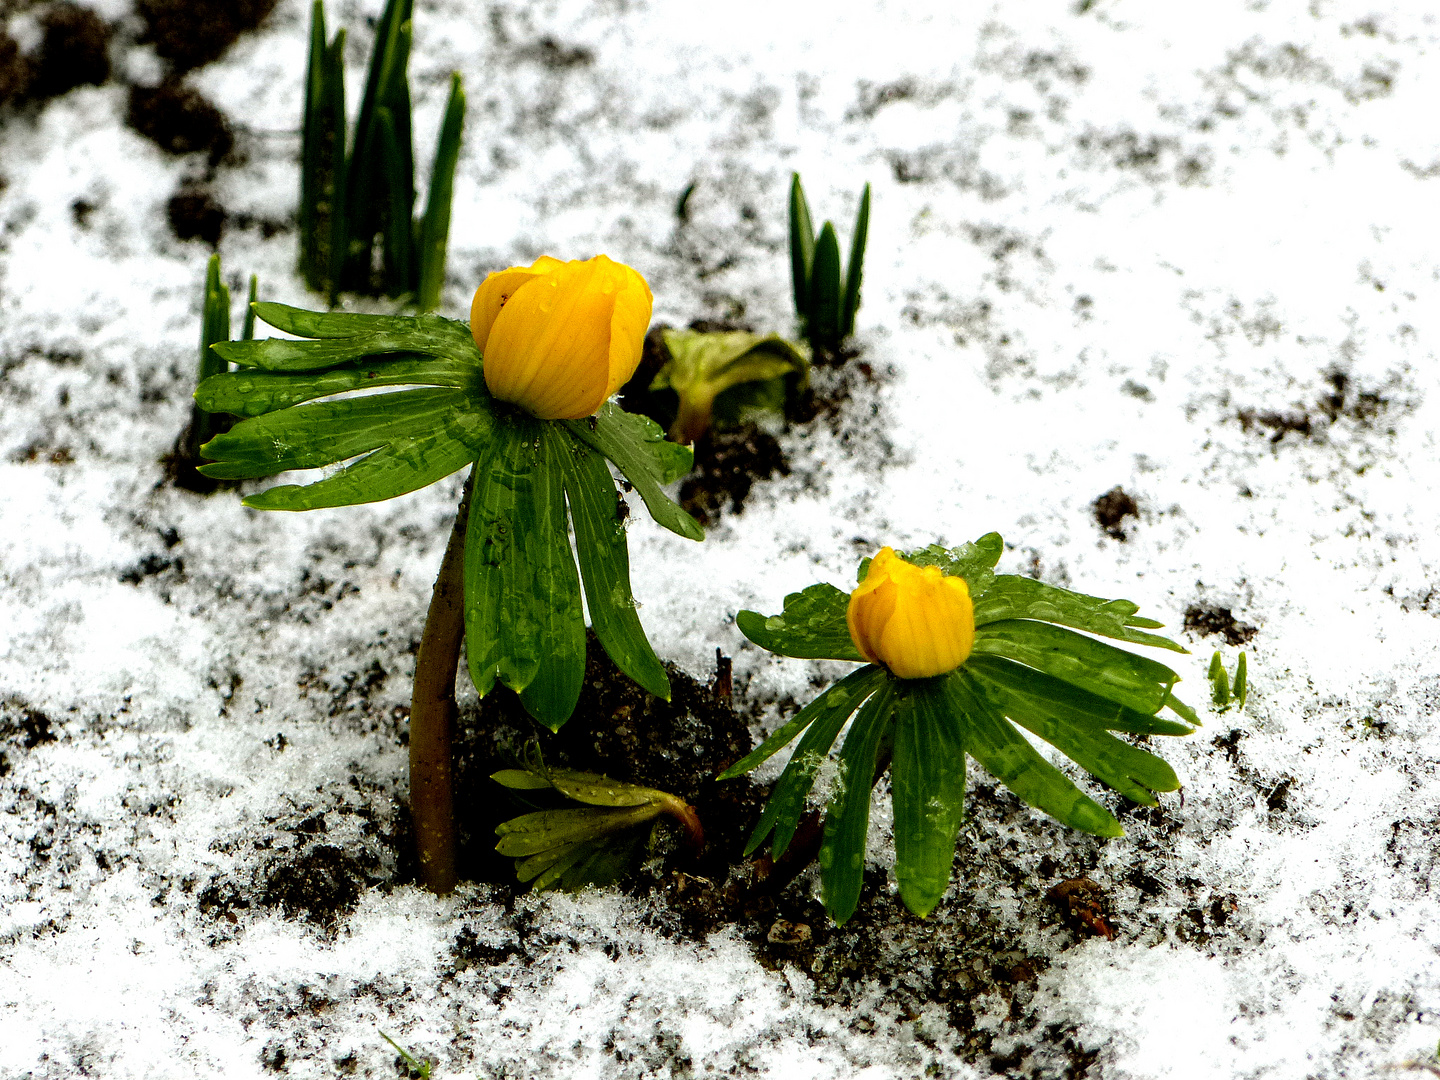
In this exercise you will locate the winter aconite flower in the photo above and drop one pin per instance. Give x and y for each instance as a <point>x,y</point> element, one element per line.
<point>560,337</point>
<point>913,619</point>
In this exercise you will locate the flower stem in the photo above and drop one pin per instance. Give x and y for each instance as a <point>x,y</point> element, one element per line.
<point>432,714</point>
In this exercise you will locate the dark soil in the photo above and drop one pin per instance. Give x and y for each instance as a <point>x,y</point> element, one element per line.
<point>14,70</point>
<point>75,51</point>
<point>195,215</point>
<point>1111,510</point>
<point>1343,401</point>
<point>624,732</point>
<point>21,728</point>
<point>190,33</point>
<point>321,885</point>
<point>180,120</point>
<point>1207,619</point>
<point>727,466</point>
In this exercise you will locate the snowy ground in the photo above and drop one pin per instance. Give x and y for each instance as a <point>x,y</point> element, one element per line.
<point>1184,249</point>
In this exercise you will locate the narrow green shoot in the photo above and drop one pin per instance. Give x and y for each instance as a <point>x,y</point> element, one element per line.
<point>825,301</point>
<point>214,326</point>
<point>418,1066</point>
<point>1223,695</point>
<point>358,230</point>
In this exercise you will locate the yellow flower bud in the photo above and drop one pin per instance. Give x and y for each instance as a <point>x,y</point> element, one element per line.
<point>559,338</point>
<point>913,619</point>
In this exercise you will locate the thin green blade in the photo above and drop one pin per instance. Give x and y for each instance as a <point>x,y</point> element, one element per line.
<point>802,247</point>
<point>811,626</point>
<point>825,289</point>
<point>531,834</point>
<point>847,818</point>
<point>279,354</point>
<point>992,741</point>
<point>605,561</point>
<point>1014,597</point>
<point>787,800</point>
<point>255,393</point>
<point>312,436</point>
<point>435,227</point>
<point>640,451</point>
<point>398,232</point>
<point>1242,682</point>
<point>311,142</point>
<point>336,324</point>
<point>1219,682</point>
<point>1123,677</point>
<point>846,694</point>
<point>855,267</point>
<point>927,785</point>
<point>1097,711</point>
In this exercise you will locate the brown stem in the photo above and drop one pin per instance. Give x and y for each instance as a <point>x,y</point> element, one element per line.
<point>432,714</point>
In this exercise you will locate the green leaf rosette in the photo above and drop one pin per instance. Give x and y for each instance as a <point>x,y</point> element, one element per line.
<point>399,403</point>
<point>1028,669</point>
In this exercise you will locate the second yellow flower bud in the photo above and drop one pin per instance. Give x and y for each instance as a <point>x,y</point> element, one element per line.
<point>913,619</point>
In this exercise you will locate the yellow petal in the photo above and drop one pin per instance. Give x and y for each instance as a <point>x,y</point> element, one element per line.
<point>548,348</point>
<point>628,324</point>
<point>496,290</point>
<point>914,620</point>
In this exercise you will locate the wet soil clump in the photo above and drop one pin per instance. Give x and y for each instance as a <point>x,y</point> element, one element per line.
<point>1111,510</point>
<point>195,215</point>
<point>1208,619</point>
<point>75,51</point>
<point>180,120</point>
<point>14,70</point>
<point>190,33</point>
<point>728,464</point>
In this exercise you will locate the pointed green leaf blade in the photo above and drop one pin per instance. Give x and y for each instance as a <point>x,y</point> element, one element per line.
<point>531,834</point>
<point>927,784</point>
<point>638,449</point>
<point>1014,597</point>
<point>597,790</point>
<point>847,818</point>
<point>605,561</point>
<point>435,226</point>
<point>825,289</point>
<point>787,799</point>
<point>1098,711</point>
<point>337,324</point>
<point>255,393</point>
<point>855,267</point>
<point>846,694</point>
<point>802,247</point>
<point>1128,769</point>
<point>1123,677</point>
<point>1242,682</point>
<point>811,626</point>
<point>992,741</point>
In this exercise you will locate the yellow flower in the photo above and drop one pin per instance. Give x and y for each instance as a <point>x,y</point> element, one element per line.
<point>560,337</point>
<point>913,619</point>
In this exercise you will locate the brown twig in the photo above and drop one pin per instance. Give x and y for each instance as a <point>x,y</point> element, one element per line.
<point>432,714</point>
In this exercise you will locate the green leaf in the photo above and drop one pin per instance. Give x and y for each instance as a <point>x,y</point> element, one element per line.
<point>846,694</point>
<point>597,790</point>
<point>1013,597</point>
<point>406,464</point>
<point>1242,684</point>
<point>847,818</point>
<point>435,226</point>
<point>854,268</point>
<point>248,331</point>
<point>322,158</point>
<point>431,335</point>
<point>1123,677</point>
<point>787,799</point>
<point>523,621</point>
<point>812,626</point>
<point>255,393</point>
<point>927,785</point>
<point>992,741</point>
<point>531,834</point>
<point>319,434</point>
<point>214,327</point>
<point>823,324</point>
<point>974,562</point>
<point>1076,734</point>
<point>344,324</point>
<point>605,561</point>
<point>802,247</point>
<point>399,231</point>
<point>703,365</point>
<point>522,780</point>
<point>1101,712</point>
<point>638,449</point>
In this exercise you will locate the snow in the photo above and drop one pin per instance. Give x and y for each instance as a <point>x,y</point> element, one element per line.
<point>1100,240</point>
